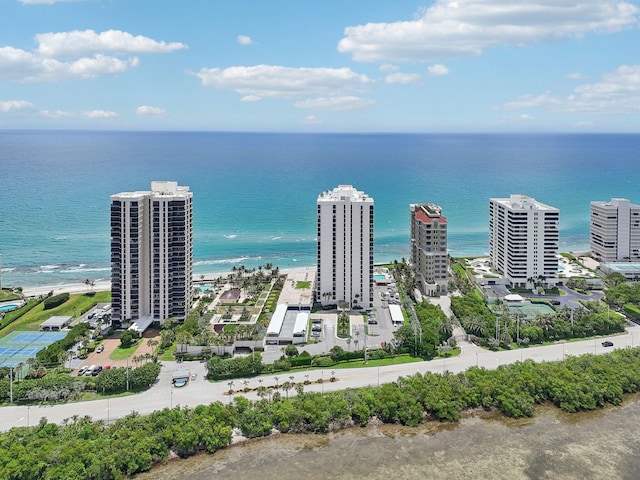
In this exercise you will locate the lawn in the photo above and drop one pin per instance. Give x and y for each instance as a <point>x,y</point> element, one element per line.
<point>303,285</point>
<point>34,317</point>
<point>397,360</point>
<point>6,295</point>
<point>168,353</point>
<point>122,353</point>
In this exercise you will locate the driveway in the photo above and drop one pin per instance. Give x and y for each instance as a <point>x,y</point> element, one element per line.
<point>113,342</point>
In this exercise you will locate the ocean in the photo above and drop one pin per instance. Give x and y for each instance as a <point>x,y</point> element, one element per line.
<point>255,193</point>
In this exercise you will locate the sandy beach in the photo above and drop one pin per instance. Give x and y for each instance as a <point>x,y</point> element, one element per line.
<point>103,286</point>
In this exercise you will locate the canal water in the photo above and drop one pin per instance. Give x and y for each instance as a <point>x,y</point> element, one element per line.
<point>594,445</point>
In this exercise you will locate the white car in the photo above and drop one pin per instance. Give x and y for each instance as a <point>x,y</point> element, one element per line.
<point>100,349</point>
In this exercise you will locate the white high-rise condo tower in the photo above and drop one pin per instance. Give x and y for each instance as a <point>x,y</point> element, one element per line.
<point>615,231</point>
<point>429,247</point>
<point>152,254</point>
<point>345,247</point>
<point>523,240</point>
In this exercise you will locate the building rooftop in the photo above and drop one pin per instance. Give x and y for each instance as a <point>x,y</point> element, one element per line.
<point>343,193</point>
<point>158,188</point>
<point>518,201</point>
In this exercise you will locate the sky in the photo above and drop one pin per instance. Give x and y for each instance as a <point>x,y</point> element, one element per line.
<point>321,66</point>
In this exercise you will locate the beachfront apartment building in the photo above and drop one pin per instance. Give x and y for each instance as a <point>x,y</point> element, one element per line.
<point>151,254</point>
<point>523,240</point>
<point>429,247</point>
<point>615,231</point>
<point>345,247</point>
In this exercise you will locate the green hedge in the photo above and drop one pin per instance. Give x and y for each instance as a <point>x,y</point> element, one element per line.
<point>632,310</point>
<point>53,302</point>
<point>51,354</point>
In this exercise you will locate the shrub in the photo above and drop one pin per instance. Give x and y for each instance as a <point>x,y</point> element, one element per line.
<point>632,310</point>
<point>56,300</point>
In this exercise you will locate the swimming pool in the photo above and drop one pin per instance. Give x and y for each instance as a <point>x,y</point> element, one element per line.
<point>560,268</point>
<point>379,277</point>
<point>6,308</point>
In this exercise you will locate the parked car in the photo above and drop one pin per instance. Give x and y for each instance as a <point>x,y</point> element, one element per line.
<point>555,302</point>
<point>83,370</point>
<point>607,344</point>
<point>100,348</point>
<point>372,321</point>
<point>96,370</point>
<point>193,376</point>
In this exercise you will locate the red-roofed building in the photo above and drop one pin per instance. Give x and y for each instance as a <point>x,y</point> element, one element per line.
<point>429,248</point>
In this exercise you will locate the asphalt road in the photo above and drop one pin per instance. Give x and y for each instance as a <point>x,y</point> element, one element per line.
<point>163,394</point>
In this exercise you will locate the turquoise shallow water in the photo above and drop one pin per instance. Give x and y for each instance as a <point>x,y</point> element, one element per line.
<point>255,194</point>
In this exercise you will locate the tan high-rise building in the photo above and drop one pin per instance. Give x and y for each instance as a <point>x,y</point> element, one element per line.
<point>429,248</point>
<point>345,247</point>
<point>615,231</point>
<point>152,254</point>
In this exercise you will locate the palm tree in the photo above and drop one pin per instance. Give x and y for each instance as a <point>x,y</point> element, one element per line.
<point>262,391</point>
<point>286,386</point>
<point>230,383</point>
<point>152,343</point>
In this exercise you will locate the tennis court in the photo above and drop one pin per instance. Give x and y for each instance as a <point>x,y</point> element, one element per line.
<point>18,347</point>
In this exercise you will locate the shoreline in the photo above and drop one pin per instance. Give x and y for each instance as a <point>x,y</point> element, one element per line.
<point>105,285</point>
<point>200,278</point>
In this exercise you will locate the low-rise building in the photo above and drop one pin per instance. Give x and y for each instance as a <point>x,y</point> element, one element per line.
<point>55,324</point>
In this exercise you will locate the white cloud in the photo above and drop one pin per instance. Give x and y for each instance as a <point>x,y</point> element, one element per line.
<point>617,93</point>
<point>437,70</point>
<point>312,120</point>
<point>99,114</point>
<point>388,67</point>
<point>55,114</point>
<point>12,105</point>
<point>526,116</point>
<point>150,111</point>
<point>285,82</point>
<point>584,124</point>
<point>244,40</point>
<point>86,42</point>
<point>51,60</point>
<point>574,76</point>
<point>402,78</point>
<point>251,98</point>
<point>335,103</point>
<point>19,65</point>
<point>450,29</point>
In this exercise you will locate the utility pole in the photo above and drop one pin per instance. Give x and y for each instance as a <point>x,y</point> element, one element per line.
<point>127,374</point>
<point>11,384</point>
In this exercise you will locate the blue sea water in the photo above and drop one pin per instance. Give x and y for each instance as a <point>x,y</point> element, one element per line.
<point>255,193</point>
